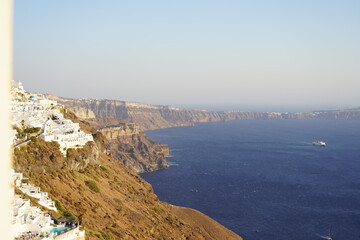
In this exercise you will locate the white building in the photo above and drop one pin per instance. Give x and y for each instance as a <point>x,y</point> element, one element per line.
<point>33,113</point>
<point>29,222</point>
<point>27,218</point>
<point>66,133</point>
<point>29,189</point>
<point>34,110</point>
<point>17,87</point>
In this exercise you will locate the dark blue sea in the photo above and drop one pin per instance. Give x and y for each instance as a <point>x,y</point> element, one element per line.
<point>263,179</point>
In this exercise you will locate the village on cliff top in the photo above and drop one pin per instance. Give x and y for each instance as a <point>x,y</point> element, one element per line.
<point>34,116</point>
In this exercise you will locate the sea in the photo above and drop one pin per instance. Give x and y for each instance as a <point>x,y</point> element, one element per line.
<point>263,179</point>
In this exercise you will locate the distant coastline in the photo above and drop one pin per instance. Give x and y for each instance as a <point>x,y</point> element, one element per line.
<point>150,117</point>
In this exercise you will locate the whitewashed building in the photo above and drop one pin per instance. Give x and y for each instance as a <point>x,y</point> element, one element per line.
<point>27,218</point>
<point>29,222</point>
<point>33,114</point>
<point>66,133</point>
<point>34,110</point>
<point>23,185</point>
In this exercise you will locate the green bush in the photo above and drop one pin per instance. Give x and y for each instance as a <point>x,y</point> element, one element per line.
<point>92,185</point>
<point>58,205</point>
<point>66,213</point>
<point>31,130</point>
<point>62,210</point>
<point>105,236</point>
<point>104,168</point>
<point>159,211</point>
<point>170,219</point>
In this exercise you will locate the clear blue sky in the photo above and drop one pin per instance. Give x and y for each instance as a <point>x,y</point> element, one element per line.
<point>198,53</point>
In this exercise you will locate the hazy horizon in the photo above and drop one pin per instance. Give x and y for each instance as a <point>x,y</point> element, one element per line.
<point>229,55</point>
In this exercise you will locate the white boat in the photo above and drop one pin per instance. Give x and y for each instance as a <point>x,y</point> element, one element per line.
<point>319,143</point>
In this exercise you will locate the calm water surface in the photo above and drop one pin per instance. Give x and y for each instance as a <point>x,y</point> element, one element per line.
<point>264,179</point>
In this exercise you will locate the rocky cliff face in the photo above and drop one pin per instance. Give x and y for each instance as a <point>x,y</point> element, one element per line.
<point>79,159</point>
<point>120,130</point>
<point>138,152</point>
<point>153,116</point>
<point>125,142</point>
<point>134,149</point>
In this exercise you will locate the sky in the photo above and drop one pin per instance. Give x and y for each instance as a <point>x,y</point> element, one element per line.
<point>229,54</point>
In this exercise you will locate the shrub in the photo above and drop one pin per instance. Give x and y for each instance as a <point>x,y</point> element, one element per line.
<point>66,213</point>
<point>118,201</point>
<point>103,168</point>
<point>170,219</point>
<point>62,210</point>
<point>20,134</point>
<point>105,236</point>
<point>159,211</point>
<point>32,130</point>
<point>58,205</point>
<point>92,185</point>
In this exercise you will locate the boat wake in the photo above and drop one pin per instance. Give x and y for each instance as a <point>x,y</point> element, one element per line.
<point>170,164</point>
<point>327,237</point>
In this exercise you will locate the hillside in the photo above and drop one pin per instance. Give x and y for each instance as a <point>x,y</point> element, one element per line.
<point>110,200</point>
<point>150,117</point>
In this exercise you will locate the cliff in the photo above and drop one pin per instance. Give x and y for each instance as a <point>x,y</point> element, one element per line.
<point>120,130</point>
<point>137,151</point>
<point>150,117</point>
<point>110,200</point>
<point>126,143</point>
